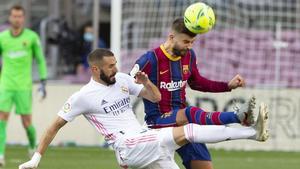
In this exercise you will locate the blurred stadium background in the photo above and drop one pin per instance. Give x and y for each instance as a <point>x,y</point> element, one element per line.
<point>260,39</point>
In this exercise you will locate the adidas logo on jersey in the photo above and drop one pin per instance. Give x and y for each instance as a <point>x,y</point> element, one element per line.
<point>172,86</point>
<point>103,102</point>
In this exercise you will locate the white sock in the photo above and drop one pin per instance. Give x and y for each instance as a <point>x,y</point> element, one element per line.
<point>213,134</point>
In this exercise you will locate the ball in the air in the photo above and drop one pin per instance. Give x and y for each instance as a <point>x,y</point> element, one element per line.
<point>199,18</point>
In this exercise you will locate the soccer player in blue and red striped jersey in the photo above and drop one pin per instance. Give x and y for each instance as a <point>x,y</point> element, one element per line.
<point>172,66</point>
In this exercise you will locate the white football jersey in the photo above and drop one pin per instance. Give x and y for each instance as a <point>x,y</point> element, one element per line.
<point>107,108</point>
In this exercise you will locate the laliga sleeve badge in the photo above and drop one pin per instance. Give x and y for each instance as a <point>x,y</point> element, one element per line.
<point>67,107</point>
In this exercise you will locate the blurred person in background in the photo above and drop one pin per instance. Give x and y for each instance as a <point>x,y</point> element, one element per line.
<point>18,47</point>
<point>87,43</point>
<point>82,74</point>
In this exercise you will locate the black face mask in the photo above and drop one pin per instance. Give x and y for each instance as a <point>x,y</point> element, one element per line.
<point>106,79</point>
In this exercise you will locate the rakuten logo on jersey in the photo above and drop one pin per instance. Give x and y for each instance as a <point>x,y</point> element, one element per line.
<point>172,86</point>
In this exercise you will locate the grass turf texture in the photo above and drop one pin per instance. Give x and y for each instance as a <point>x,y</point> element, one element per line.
<point>97,158</point>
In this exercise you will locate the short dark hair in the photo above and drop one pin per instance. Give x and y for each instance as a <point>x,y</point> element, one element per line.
<point>17,7</point>
<point>179,27</point>
<point>97,55</point>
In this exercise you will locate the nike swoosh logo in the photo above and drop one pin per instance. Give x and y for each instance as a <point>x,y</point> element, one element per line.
<point>163,72</point>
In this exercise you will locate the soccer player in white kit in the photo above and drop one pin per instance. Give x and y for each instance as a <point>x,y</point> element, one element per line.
<point>105,103</point>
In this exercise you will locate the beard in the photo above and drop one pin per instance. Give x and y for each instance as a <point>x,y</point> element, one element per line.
<point>107,79</point>
<point>16,24</point>
<point>179,52</point>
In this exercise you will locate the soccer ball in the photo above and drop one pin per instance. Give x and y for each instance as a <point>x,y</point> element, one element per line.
<point>199,18</point>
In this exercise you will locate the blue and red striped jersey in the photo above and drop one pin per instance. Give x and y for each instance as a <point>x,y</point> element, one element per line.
<point>171,75</point>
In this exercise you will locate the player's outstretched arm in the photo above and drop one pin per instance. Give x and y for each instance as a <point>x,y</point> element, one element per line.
<point>44,143</point>
<point>150,91</point>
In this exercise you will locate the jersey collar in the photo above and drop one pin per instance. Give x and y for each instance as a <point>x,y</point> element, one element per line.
<point>10,31</point>
<point>172,58</point>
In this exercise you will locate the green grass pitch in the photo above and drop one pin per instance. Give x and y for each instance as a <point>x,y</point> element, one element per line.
<point>97,158</point>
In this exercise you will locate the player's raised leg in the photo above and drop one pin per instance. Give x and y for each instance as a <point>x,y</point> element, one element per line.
<point>243,115</point>
<point>212,133</point>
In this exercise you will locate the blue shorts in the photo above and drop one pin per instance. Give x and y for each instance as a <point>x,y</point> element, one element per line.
<point>193,151</point>
<point>189,152</point>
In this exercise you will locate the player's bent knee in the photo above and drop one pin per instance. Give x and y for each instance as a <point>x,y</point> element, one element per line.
<point>179,136</point>
<point>189,132</point>
<point>181,118</point>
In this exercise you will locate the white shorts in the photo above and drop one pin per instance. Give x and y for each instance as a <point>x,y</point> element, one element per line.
<point>146,149</point>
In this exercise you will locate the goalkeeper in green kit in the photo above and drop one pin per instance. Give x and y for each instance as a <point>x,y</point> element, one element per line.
<point>18,47</point>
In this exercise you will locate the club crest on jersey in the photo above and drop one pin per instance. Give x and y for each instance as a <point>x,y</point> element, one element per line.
<point>67,107</point>
<point>124,89</point>
<point>173,85</point>
<point>185,69</point>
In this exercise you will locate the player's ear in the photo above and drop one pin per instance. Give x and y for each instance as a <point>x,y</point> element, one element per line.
<point>94,68</point>
<point>171,36</point>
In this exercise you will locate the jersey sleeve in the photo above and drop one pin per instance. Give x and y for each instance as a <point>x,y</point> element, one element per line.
<point>200,83</point>
<point>142,64</point>
<point>72,108</point>
<point>134,88</point>
<point>39,57</point>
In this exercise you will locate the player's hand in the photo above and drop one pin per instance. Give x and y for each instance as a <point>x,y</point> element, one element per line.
<point>42,89</point>
<point>141,78</point>
<point>33,163</point>
<point>236,81</point>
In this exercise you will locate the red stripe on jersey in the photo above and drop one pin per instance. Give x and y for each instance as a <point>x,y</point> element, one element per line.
<point>164,74</point>
<point>157,78</point>
<point>186,72</point>
<point>182,92</point>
